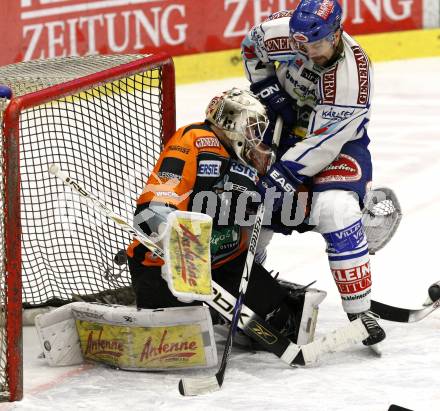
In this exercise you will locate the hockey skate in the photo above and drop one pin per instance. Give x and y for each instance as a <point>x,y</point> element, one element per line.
<point>377,334</point>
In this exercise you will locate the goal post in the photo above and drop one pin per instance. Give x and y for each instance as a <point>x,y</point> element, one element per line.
<point>105,119</point>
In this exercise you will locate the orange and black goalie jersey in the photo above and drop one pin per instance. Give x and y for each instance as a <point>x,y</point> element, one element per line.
<point>196,173</point>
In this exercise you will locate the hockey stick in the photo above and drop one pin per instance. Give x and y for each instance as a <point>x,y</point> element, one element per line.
<point>224,302</point>
<point>196,386</point>
<point>203,385</point>
<point>405,315</point>
<point>402,315</point>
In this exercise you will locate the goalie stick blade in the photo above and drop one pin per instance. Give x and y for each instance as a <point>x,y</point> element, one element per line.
<point>198,386</point>
<point>402,315</point>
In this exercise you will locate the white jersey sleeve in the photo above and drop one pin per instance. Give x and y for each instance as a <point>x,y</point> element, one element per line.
<point>342,112</point>
<point>265,44</point>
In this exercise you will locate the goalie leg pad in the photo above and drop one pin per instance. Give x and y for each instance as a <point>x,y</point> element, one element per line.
<point>146,339</point>
<point>58,337</point>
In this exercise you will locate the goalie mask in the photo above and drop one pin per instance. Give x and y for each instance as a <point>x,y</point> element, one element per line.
<point>240,121</point>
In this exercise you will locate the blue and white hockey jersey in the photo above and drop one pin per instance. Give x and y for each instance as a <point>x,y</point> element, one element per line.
<point>333,102</point>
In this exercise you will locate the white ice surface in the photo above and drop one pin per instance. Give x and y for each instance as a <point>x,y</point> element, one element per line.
<point>406,151</point>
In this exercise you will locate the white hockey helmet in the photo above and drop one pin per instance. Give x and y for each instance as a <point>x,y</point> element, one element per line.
<point>242,122</point>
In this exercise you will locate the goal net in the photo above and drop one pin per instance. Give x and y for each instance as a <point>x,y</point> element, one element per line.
<point>103,119</point>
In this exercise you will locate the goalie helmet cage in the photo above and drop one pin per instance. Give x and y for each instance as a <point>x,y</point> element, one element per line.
<point>104,119</point>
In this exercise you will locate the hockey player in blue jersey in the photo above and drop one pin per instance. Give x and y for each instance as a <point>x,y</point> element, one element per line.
<point>307,70</point>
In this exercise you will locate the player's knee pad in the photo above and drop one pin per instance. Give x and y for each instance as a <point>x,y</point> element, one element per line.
<point>334,210</point>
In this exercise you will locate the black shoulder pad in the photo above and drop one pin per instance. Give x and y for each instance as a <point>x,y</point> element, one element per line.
<point>205,126</point>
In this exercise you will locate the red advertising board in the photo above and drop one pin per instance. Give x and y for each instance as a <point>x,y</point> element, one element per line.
<point>53,28</point>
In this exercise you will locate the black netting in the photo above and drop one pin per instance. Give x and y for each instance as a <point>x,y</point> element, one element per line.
<point>108,137</point>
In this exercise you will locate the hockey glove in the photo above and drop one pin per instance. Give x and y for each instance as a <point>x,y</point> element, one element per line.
<point>276,100</point>
<point>279,182</point>
<point>277,224</point>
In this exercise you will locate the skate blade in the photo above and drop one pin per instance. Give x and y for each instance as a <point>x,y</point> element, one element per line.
<point>376,349</point>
